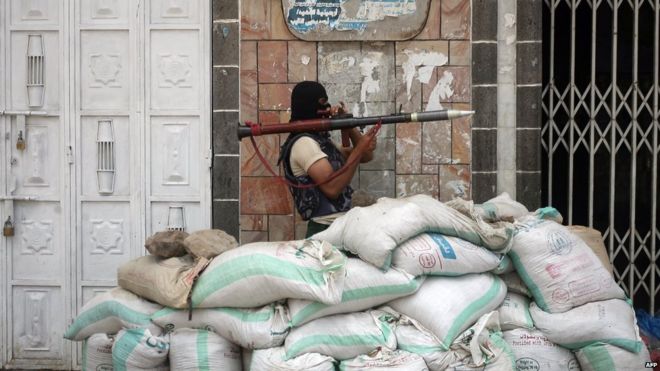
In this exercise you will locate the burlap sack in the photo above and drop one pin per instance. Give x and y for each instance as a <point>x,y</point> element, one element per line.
<point>166,244</point>
<point>165,281</point>
<point>594,240</point>
<point>209,243</point>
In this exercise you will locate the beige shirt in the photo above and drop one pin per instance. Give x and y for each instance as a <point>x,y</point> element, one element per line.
<point>304,153</point>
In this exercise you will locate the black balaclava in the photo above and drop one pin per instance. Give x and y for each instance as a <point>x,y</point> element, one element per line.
<point>305,100</point>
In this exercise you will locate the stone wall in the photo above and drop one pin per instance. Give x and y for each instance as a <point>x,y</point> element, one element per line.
<point>373,78</point>
<point>487,55</point>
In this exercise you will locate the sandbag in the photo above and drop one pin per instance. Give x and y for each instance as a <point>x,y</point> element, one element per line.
<point>365,286</point>
<point>534,351</point>
<point>515,284</point>
<point>473,349</point>
<point>447,306</point>
<point>610,321</point>
<point>385,359</point>
<point>514,312</point>
<point>505,265</point>
<point>560,270</point>
<point>97,352</point>
<point>606,357</point>
<point>138,349</point>
<point>502,207</point>
<point>166,244</point>
<point>252,328</point>
<point>111,311</point>
<point>438,255</point>
<point>209,243</point>
<point>273,359</point>
<point>264,272</point>
<point>546,213</point>
<point>505,360</point>
<point>194,349</point>
<point>594,240</point>
<point>390,222</point>
<point>166,281</point>
<point>343,336</point>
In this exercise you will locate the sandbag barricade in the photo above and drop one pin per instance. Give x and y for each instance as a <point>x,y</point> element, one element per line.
<point>606,357</point>
<point>471,296</point>
<point>437,255</point>
<point>166,281</point>
<point>385,360</point>
<point>610,321</point>
<point>273,359</point>
<point>260,273</point>
<point>559,269</point>
<point>252,328</point>
<point>533,351</point>
<point>343,336</point>
<point>365,286</point>
<point>390,222</point>
<point>110,312</point>
<point>195,349</point>
<point>97,352</point>
<point>139,349</point>
<point>514,312</point>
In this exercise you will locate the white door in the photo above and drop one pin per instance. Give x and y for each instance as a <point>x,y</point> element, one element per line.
<point>111,99</point>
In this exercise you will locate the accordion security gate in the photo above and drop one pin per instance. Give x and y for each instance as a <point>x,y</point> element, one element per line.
<point>600,129</point>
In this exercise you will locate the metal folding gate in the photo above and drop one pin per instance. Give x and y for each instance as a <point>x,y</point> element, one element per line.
<point>600,129</point>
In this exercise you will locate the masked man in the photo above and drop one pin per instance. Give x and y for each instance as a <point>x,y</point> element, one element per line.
<point>313,158</point>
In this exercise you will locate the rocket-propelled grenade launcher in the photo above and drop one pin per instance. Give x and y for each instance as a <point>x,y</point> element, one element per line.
<point>345,122</point>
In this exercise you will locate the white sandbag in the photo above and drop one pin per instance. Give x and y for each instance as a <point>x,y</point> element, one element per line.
<point>138,349</point>
<point>547,213</point>
<point>111,311</point>
<point>605,357</point>
<point>194,349</point>
<point>252,328</point>
<point>534,351</point>
<point>560,270</point>
<point>273,359</point>
<point>385,360</point>
<point>515,284</point>
<point>505,360</point>
<point>514,312</point>
<point>97,352</point>
<point>447,306</point>
<point>365,286</point>
<point>390,222</point>
<point>502,207</point>
<point>166,281</point>
<point>343,336</point>
<point>473,349</point>
<point>264,272</point>
<point>438,255</point>
<point>610,321</point>
<point>505,265</point>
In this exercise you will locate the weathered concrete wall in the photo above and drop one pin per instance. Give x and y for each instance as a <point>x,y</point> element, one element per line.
<point>431,71</point>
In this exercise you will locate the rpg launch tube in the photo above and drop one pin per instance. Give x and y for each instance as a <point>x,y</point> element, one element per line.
<point>327,124</point>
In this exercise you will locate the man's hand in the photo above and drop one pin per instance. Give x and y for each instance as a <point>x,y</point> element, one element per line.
<point>338,110</point>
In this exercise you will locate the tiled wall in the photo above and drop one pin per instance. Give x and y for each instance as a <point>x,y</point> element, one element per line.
<point>446,159</point>
<point>433,158</point>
